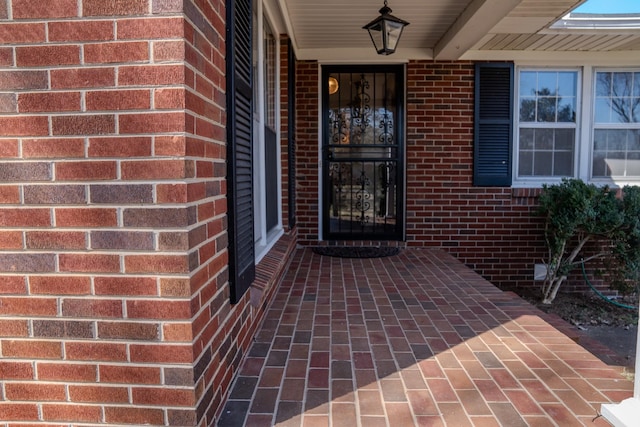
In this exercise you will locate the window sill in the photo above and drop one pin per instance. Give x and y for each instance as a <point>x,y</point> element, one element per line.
<point>270,269</point>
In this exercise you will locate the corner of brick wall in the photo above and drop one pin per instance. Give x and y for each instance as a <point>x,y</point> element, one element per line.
<point>112,210</point>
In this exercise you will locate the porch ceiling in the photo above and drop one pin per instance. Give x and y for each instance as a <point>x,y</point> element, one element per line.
<point>331,30</point>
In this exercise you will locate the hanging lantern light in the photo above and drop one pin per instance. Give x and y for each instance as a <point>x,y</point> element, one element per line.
<point>385,31</point>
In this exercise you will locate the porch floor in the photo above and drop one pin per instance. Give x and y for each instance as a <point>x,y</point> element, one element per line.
<point>413,339</point>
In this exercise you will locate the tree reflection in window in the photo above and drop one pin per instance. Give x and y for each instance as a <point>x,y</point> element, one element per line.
<point>617,97</point>
<point>616,134</point>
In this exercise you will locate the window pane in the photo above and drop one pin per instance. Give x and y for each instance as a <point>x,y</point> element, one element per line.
<point>548,96</point>
<point>617,140</point>
<point>615,162</point>
<point>544,139</point>
<point>621,110</point>
<point>563,164</point>
<point>635,110</point>
<point>564,139</point>
<point>599,165</point>
<point>543,163</point>
<point>616,153</point>
<point>603,110</point>
<point>633,164</point>
<point>617,97</point>
<point>269,76</point>
<point>547,83</point>
<point>567,84</point>
<point>547,109</point>
<point>528,83</point>
<point>547,151</point>
<point>600,140</point>
<point>633,140</point>
<point>525,164</point>
<point>527,139</point>
<point>567,110</point>
<point>603,84</point>
<point>622,84</point>
<point>528,110</point>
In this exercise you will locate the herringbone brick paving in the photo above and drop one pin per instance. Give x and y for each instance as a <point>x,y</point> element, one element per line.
<point>412,339</point>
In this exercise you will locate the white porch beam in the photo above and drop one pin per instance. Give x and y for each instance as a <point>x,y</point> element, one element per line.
<point>284,13</point>
<point>474,23</point>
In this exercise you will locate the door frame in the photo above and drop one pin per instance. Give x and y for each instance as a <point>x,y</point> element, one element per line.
<point>400,130</point>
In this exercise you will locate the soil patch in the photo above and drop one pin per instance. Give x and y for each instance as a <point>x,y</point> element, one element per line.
<point>585,309</point>
<point>613,326</point>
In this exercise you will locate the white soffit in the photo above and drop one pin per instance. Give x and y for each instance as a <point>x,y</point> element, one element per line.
<point>331,30</point>
<point>520,25</point>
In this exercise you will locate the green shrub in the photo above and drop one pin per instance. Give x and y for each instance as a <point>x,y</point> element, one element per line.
<point>577,214</point>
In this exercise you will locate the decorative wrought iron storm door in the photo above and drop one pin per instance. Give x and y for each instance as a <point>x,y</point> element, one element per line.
<point>363,152</point>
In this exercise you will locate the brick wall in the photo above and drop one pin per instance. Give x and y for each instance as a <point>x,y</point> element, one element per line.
<point>490,229</point>
<point>307,128</point>
<point>114,298</point>
<point>217,327</point>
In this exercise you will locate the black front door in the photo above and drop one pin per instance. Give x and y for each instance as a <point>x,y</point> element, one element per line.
<point>363,151</point>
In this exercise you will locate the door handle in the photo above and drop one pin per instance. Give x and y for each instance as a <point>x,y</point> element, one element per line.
<point>329,154</point>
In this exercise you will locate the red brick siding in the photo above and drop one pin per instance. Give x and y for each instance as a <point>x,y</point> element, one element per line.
<point>221,332</point>
<point>490,229</point>
<point>209,284</point>
<point>96,263</point>
<point>307,128</point>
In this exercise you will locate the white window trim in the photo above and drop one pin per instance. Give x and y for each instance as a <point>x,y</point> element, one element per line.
<point>584,125</point>
<point>264,239</point>
<point>585,156</point>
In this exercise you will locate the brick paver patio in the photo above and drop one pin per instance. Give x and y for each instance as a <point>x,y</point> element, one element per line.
<point>412,339</point>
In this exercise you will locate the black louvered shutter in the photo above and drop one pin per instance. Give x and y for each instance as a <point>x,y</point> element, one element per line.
<point>493,124</point>
<point>239,147</point>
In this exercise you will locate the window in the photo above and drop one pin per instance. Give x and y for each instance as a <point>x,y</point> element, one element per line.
<point>253,152</point>
<point>580,123</point>
<point>547,123</point>
<point>616,125</point>
<point>266,119</point>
